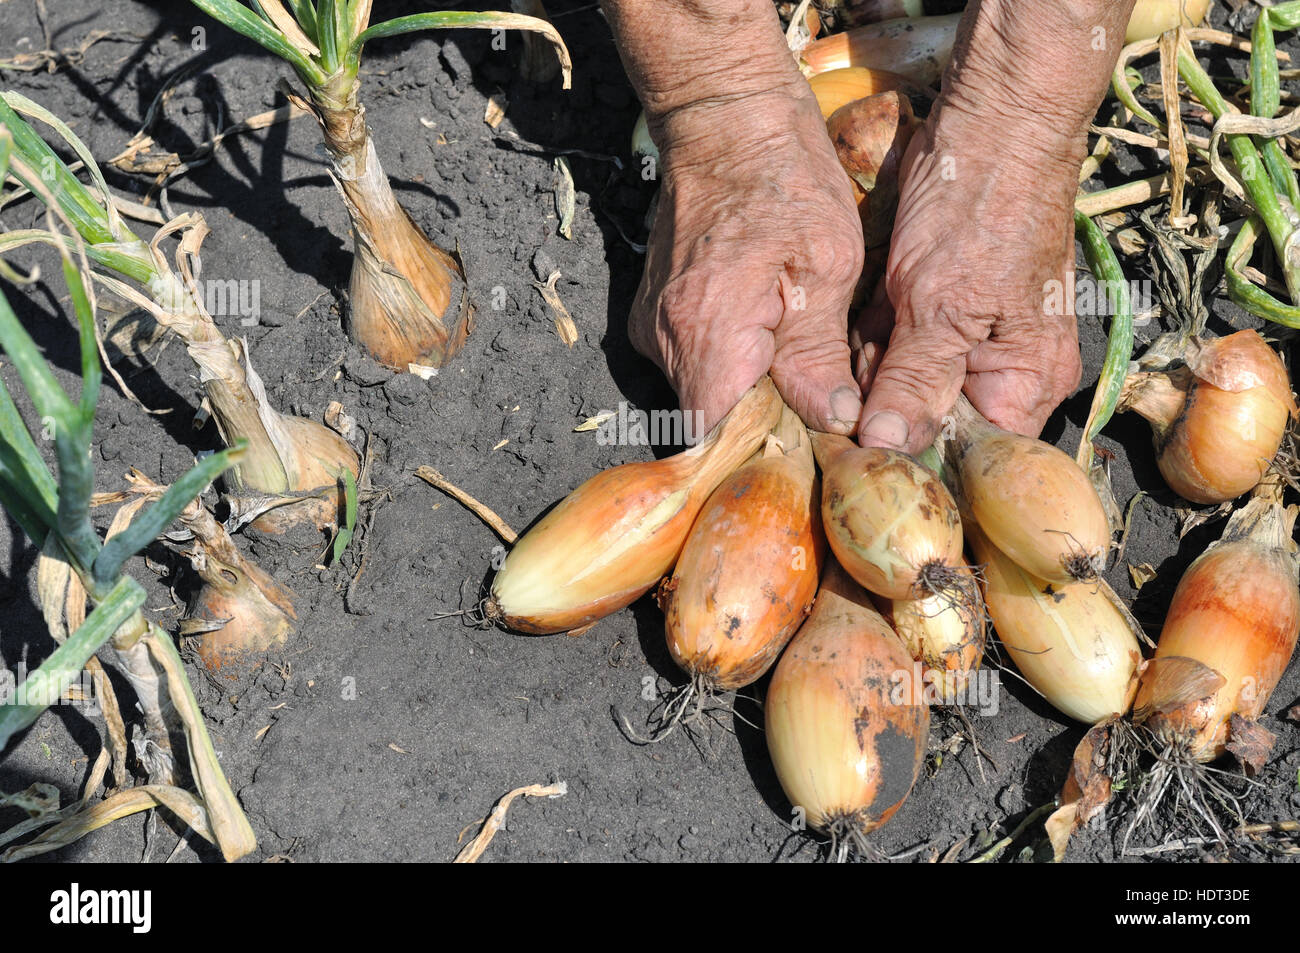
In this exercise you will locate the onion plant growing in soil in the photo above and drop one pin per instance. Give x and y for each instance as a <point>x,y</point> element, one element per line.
<point>299,469</point>
<point>77,565</point>
<point>401,289</point>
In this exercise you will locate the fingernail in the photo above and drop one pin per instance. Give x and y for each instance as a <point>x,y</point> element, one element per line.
<point>885,429</point>
<point>846,406</point>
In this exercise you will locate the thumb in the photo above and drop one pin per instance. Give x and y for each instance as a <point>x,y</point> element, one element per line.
<point>916,383</point>
<point>813,369</point>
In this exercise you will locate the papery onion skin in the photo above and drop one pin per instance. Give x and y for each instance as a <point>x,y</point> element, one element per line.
<point>253,626</point>
<point>846,748</point>
<point>747,576</point>
<point>945,631</point>
<point>1214,434</point>
<point>888,519</point>
<point>870,136</point>
<point>610,540</point>
<point>1236,612</point>
<point>1071,642</point>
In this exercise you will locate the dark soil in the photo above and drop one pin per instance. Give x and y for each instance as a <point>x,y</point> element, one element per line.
<point>446,718</point>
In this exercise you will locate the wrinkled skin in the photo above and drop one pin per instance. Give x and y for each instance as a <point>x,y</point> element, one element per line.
<point>752,261</point>
<point>756,249</point>
<point>963,305</point>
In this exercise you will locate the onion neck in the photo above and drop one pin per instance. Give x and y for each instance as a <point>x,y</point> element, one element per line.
<point>1265,521</point>
<point>401,283</point>
<point>1158,396</point>
<point>736,436</point>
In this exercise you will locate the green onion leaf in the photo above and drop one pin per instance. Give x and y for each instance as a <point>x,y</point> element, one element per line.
<point>146,527</point>
<point>44,686</point>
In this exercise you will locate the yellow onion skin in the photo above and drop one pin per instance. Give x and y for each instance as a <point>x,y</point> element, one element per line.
<point>1072,643</point>
<point>610,540</point>
<point>1219,421</point>
<point>1150,18</point>
<point>317,460</point>
<point>846,743</point>
<point>748,573</point>
<point>839,87</point>
<point>1035,505</point>
<point>889,520</point>
<point>945,631</point>
<point>1236,611</point>
<point>256,613</point>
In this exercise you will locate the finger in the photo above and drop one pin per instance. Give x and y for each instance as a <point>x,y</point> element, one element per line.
<point>812,367</point>
<point>1018,377</point>
<point>868,336</point>
<point>722,366</point>
<point>916,382</point>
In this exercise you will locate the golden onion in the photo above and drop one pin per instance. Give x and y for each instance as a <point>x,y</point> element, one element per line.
<point>846,734</point>
<point>1217,419</point>
<point>1230,633</point>
<point>890,522</point>
<point>748,573</point>
<point>617,534</point>
<point>1075,643</point>
<point>1032,501</point>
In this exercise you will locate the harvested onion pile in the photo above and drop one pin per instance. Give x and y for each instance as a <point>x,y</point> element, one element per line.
<point>845,572</point>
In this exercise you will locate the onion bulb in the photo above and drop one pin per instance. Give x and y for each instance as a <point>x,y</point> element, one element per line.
<point>615,536</point>
<point>1229,634</point>
<point>1218,417</point>
<point>238,615</point>
<point>944,631</point>
<point>870,137</point>
<point>1032,501</point>
<point>240,612</point>
<point>890,522</point>
<point>1152,17</point>
<point>916,48</point>
<point>839,87</point>
<point>1075,644</point>
<point>748,573</point>
<point>846,737</point>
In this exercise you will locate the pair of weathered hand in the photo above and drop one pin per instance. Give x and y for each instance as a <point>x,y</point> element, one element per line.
<point>757,245</point>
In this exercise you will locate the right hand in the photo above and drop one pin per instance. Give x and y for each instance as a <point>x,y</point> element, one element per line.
<point>753,259</point>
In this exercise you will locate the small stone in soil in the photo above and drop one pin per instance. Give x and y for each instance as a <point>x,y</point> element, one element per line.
<point>543,264</point>
<point>365,370</point>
